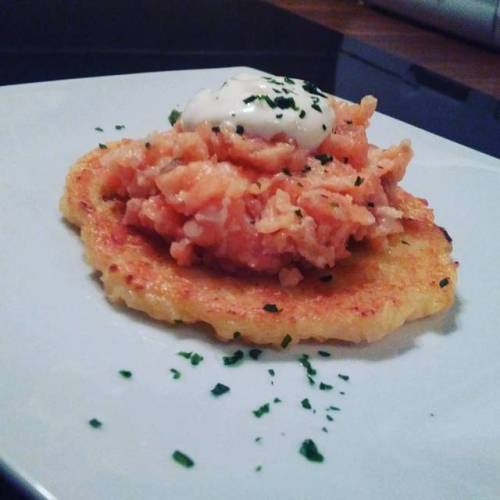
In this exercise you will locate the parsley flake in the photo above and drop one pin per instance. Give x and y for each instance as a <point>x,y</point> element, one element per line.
<point>182,459</point>
<point>343,377</point>
<point>325,387</point>
<point>176,374</point>
<point>306,404</point>
<point>309,450</point>
<point>325,354</point>
<point>255,353</point>
<point>304,361</point>
<point>220,389</point>
<point>261,410</point>
<point>324,159</point>
<point>271,308</point>
<point>258,439</point>
<point>235,358</point>
<point>173,116</point>
<point>196,359</point>
<point>286,341</point>
<point>443,282</point>
<point>316,107</point>
<point>125,373</point>
<point>323,126</point>
<point>289,80</point>
<point>94,423</point>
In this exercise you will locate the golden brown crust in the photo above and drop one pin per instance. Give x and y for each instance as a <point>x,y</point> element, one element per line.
<point>371,294</point>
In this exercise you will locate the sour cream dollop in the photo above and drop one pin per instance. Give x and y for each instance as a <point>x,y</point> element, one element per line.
<point>265,106</point>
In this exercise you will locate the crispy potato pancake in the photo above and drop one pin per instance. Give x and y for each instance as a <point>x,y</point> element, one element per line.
<point>367,295</point>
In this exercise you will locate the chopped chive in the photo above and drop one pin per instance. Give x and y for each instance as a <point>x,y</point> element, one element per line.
<point>285,102</point>
<point>271,308</point>
<point>302,114</point>
<point>286,341</point>
<point>258,439</point>
<point>94,423</point>
<point>323,126</point>
<point>325,387</point>
<point>306,404</point>
<point>309,450</point>
<point>176,374</point>
<point>359,180</point>
<point>311,380</point>
<point>185,354</point>
<point>119,127</point>
<point>125,373</point>
<point>329,418</point>
<point>326,278</point>
<point>196,359</point>
<point>298,213</point>
<point>286,172</point>
<point>250,99</point>
<point>317,108</point>
<point>261,410</point>
<point>220,389</point>
<point>235,358</point>
<point>324,159</point>
<point>304,361</point>
<point>255,353</point>
<point>99,129</point>
<point>277,400</point>
<point>173,116</point>
<point>312,89</point>
<point>279,115</point>
<point>444,282</point>
<point>258,468</point>
<point>102,146</point>
<point>289,80</point>
<point>236,335</point>
<point>239,129</point>
<point>343,377</point>
<point>182,459</point>
<point>324,429</point>
<point>325,354</point>
<point>333,408</point>
<point>271,372</point>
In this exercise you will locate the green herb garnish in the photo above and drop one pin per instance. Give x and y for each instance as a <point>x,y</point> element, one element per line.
<point>324,429</point>
<point>325,387</point>
<point>325,354</point>
<point>216,129</point>
<point>235,358</point>
<point>286,341</point>
<point>285,102</point>
<point>329,418</point>
<point>271,308</point>
<point>316,107</point>
<point>324,159</point>
<point>312,89</point>
<point>258,468</point>
<point>125,373</point>
<point>302,114</point>
<point>306,404</point>
<point>96,424</point>
<point>359,180</point>
<point>99,129</point>
<point>444,282</point>
<point>280,115</point>
<point>102,146</point>
<point>277,400</point>
<point>185,354</point>
<point>262,410</point>
<point>271,372</point>
<point>323,126</point>
<point>119,127</point>
<point>196,359</point>
<point>255,353</point>
<point>220,389</point>
<point>343,377</point>
<point>333,408</point>
<point>258,439</point>
<point>298,213</point>
<point>304,361</point>
<point>173,116</point>
<point>176,374</point>
<point>182,459</point>
<point>289,80</point>
<point>311,380</point>
<point>309,450</point>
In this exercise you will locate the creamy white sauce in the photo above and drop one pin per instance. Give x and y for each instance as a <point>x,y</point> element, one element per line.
<point>264,106</point>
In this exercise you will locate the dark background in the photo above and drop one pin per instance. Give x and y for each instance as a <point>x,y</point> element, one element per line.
<point>48,40</point>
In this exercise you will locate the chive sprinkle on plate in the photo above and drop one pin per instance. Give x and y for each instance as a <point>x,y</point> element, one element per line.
<point>182,459</point>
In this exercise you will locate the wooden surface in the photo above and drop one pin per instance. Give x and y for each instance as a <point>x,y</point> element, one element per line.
<point>465,62</point>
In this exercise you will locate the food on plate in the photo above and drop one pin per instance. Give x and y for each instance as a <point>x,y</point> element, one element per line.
<point>265,213</point>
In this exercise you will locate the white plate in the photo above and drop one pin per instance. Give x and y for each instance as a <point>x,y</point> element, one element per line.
<point>62,343</point>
